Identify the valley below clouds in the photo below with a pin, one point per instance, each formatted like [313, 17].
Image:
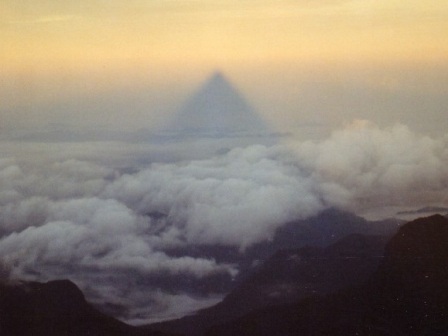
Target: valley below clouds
[114, 217]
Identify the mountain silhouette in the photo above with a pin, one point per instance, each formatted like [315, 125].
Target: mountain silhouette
[217, 109]
[407, 295]
[288, 276]
[55, 308]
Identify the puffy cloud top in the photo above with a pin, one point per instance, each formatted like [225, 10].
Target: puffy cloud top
[93, 223]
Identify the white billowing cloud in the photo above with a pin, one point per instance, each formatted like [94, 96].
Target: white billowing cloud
[364, 166]
[144, 306]
[96, 233]
[26, 188]
[23, 213]
[55, 180]
[84, 220]
[9, 172]
[100, 243]
[242, 197]
[69, 179]
[236, 199]
[176, 306]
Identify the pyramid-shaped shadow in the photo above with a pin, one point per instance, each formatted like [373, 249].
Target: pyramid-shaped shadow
[217, 110]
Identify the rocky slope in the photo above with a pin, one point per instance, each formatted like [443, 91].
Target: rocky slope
[55, 308]
[407, 295]
[291, 275]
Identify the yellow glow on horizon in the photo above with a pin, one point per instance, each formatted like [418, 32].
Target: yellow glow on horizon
[112, 34]
[54, 53]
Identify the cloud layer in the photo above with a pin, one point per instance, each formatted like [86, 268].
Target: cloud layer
[113, 232]
[363, 166]
[236, 199]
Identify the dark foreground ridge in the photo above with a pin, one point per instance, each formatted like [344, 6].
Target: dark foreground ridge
[55, 308]
[407, 295]
[288, 276]
[332, 290]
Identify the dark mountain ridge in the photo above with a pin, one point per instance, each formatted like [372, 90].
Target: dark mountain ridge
[407, 295]
[288, 276]
[59, 307]
[55, 308]
[321, 230]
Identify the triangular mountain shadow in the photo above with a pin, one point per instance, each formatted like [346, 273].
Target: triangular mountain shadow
[217, 110]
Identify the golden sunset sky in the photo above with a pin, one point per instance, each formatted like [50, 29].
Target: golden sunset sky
[114, 32]
[52, 42]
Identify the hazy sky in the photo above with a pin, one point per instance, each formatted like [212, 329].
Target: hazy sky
[373, 72]
[124, 62]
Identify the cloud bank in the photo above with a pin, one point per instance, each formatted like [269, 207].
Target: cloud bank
[236, 199]
[113, 231]
[363, 166]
